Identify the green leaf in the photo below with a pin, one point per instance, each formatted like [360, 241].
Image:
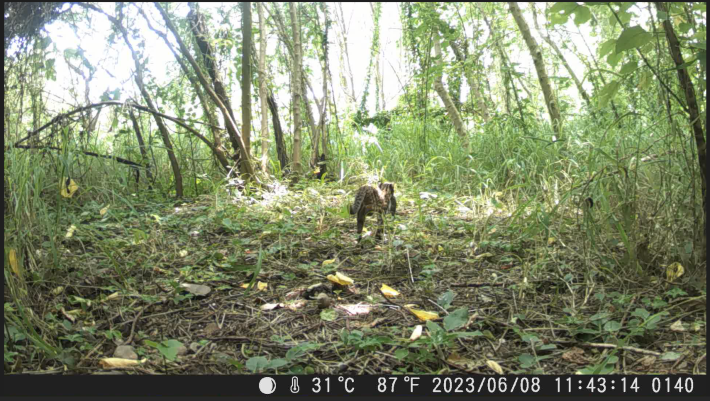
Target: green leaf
[167, 348]
[642, 313]
[257, 363]
[684, 27]
[526, 360]
[645, 80]
[607, 47]
[445, 299]
[276, 363]
[582, 15]
[612, 326]
[662, 15]
[629, 67]
[624, 16]
[613, 59]
[401, 353]
[670, 356]
[632, 38]
[329, 315]
[436, 332]
[558, 19]
[456, 319]
[565, 7]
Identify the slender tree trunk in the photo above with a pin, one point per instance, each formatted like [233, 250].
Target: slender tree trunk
[344, 37]
[562, 58]
[693, 108]
[246, 75]
[262, 88]
[278, 134]
[454, 115]
[296, 88]
[475, 89]
[141, 145]
[550, 100]
[326, 77]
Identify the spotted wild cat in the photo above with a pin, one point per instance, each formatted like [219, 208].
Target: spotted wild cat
[369, 199]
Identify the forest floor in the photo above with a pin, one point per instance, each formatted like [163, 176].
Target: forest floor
[508, 298]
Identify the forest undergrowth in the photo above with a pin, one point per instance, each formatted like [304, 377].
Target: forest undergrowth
[226, 283]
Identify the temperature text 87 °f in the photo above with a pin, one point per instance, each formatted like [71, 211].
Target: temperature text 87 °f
[323, 385]
[388, 385]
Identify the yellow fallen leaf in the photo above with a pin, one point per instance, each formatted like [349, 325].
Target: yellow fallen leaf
[551, 241]
[674, 270]
[104, 210]
[12, 256]
[182, 253]
[424, 315]
[388, 291]
[494, 365]
[68, 188]
[416, 333]
[328, 262]
[260, 286]
[340, 278]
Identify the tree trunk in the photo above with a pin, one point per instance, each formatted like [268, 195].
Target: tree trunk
[340, 17]
[550, 100]
[141, 146]
[693, 109]
[454, 115]
[262, 88]
[326, 75]
[296, 86]
[278, 134]
[246, 75]
[475, 89]
[199, 31]
[207, 108]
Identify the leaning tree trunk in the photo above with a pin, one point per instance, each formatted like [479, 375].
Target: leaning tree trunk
[207, 108]
[562, 58]
[218, 93]
[245, 164]
[262, 88]
[550, 100]
[454, 115]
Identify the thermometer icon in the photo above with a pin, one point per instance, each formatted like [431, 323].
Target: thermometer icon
[294, 384]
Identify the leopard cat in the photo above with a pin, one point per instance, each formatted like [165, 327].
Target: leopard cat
[369, 199]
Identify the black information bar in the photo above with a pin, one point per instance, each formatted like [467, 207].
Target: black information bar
[314, 385]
